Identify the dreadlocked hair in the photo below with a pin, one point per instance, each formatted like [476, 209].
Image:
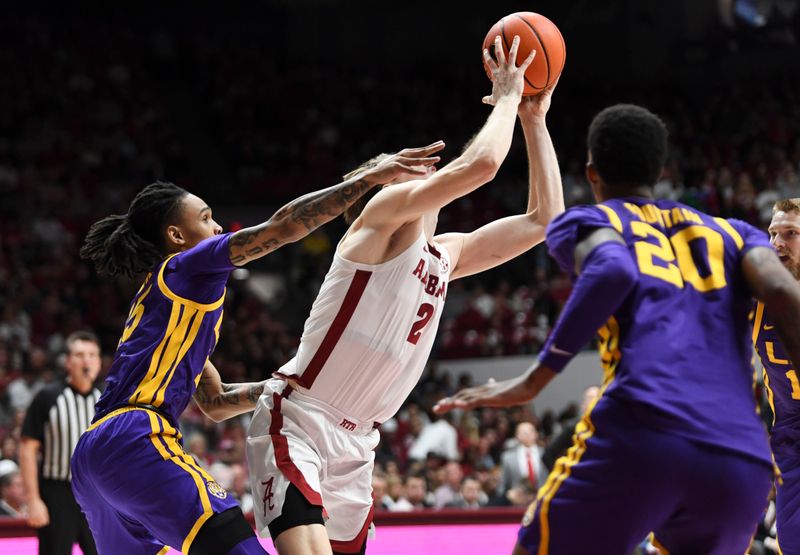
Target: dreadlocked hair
[133, 243]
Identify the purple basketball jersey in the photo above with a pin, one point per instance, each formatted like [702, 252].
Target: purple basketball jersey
[172, 329]
[680, 343]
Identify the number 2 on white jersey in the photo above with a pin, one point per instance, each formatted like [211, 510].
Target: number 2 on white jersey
[425, 313]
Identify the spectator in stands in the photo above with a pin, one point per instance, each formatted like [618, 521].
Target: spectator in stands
[21, 391]
[13, 500]
[380, 494]
[470, 495]
[10, 448]
[439, 437]
[559, 444]
[197, 446]
[524, 461]
[416, 495]
[451, 485]
[240, 487]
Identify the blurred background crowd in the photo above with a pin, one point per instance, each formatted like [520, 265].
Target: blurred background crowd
[95, 106]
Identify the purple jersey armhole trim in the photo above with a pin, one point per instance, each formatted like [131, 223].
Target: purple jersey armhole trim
[167, 292]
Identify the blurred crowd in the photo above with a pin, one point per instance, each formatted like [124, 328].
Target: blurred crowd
[87, 119]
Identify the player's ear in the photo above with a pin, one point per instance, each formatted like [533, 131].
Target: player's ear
[591, 173]
[175, 236]
[594, 181]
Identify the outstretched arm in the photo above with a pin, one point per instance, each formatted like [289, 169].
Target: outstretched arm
[477, 165]
[220, 401]
[507, 238]
[305, 214]
[607, 275]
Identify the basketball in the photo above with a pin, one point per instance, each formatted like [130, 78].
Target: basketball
[536, 32]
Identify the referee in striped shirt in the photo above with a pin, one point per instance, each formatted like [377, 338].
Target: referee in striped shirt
[56, 418]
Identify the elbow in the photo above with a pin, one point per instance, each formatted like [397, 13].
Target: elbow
[780, 292]
[626, 277]
[215, 414]
[212, 411]
[486, 164]
[617, 271]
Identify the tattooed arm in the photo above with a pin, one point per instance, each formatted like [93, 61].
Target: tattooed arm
[220, 401]
[305, 214]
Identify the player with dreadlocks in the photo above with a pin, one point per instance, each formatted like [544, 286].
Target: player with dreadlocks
[140, 490]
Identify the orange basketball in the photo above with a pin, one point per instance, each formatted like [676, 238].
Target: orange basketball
[536, 32]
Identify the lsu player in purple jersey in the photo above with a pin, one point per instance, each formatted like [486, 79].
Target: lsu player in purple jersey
[780, 377]
[140, 490]
[674, 444]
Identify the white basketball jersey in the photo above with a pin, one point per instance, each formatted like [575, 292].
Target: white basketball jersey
[370, 331]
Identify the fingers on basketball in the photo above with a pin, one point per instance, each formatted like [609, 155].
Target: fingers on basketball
[499, 53]
[512, 54]
[536, 33]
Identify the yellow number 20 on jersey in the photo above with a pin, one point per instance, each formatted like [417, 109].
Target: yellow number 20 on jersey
[678, 265]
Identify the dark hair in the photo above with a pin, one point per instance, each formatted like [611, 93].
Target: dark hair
[132, 243]
[355, 209]
[81, 335]
[628, 145]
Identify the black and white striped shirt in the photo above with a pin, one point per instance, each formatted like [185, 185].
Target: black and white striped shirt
[57, 417]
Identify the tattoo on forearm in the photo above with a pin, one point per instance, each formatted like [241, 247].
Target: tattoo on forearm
[230, 398]
[254, 392]
[309, 211]
[329, 202]
[200, 395]
[246, 237]
[231, 394]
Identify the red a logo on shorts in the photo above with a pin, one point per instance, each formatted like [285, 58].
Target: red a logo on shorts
[347, 425]
[267, 498]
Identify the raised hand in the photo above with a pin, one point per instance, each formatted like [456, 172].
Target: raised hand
[508, 80]
[532, 107]
[409, 163]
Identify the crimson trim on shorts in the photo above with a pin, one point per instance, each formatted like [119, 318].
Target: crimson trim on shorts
[282, 457]
[354, 545]
[349, 304]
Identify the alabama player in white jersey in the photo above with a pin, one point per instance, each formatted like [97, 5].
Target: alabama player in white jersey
[371, 329]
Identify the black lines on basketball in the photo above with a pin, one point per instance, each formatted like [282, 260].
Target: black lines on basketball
[536, 33]
[508, 47]
[544, 50]
[503, 34]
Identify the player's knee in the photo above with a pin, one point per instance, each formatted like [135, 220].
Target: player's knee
[296, 511]
[226, 532]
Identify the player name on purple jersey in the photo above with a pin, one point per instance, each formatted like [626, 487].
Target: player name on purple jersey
[680, 343]
[171, 330]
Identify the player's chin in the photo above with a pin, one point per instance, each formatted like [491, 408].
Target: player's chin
[790, 264]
